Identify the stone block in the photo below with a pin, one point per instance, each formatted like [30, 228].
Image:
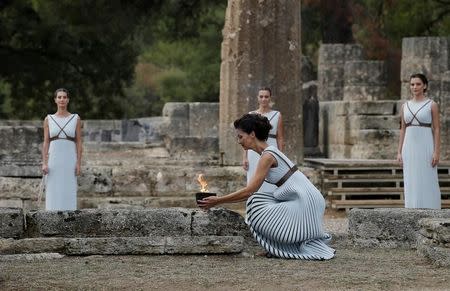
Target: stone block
[115, 246]
[339, 53]
[155, 245]
[439, 255]
[132, 130]
[365, 73]
[105, 223]
[385, 107]
[176, 116]
[437, 229]
[364, 93]
[95, 180]
[381, 122]
[204, 119]
[11, 203]
[11, 223]
[185, 146]
[32, 245]
[428, 55]
[133, 181]
[204, 245]
[21, 144]
[102, 130]
[393, 227]
[15, 187]
[218, 222]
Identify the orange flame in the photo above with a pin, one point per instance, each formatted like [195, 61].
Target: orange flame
[201, 179]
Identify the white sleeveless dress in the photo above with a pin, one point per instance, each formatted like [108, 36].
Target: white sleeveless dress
[61, 187]
[288, 222]
[253, 157]
[421, 184]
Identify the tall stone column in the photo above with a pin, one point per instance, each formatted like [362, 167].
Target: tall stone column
[261, 47]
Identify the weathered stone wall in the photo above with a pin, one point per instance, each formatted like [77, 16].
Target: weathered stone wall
[364, 81]
[261, 47]
[359, 130]
[113, 232]
[389, 227]
[184, 128]
[355, 120]
[192, 128]
[332, 60]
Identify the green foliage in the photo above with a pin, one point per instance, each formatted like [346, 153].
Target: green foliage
[85, 46]
[185, 54]
[92, 48]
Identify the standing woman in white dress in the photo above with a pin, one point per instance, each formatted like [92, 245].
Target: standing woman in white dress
[276, 136]
[419, 147]
[61, 155]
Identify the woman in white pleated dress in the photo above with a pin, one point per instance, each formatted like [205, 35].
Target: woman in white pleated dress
[276, 136]
[419, 147]
[287, 222]
[61, 155]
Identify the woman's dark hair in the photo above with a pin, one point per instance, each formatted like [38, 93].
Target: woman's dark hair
[256, 123]
[421, 77]
[266, 89]
[61, 90]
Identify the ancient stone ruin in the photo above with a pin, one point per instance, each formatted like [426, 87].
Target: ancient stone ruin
[356, 120]
[261, 47]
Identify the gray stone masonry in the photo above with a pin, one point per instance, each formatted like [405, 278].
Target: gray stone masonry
[332, 60]
[11, 223]
[434, 240]
[261, 47]
[146, 231]
[389, 227]
[364, 81]
[359, 129]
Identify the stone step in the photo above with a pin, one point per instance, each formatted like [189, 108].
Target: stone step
[391, 228]
[134, 223]
[160, 245]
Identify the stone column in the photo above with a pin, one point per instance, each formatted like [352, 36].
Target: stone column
[332, 58]
[261, 47]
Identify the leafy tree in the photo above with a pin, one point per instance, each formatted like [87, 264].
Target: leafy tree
[85, 46]
[185, 53]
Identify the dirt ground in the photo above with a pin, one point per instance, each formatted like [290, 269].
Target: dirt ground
[352, 269]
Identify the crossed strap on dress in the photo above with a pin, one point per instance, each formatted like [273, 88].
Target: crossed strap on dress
[288, 174]
[423, 124]
[273, 135]
[62, 130]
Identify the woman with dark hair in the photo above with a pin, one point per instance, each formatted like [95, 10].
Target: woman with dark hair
[419, 147]
[61, 155]
[287, 222]
[276, 135]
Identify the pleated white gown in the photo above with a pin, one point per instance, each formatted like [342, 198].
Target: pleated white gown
[253, 157]
[288, 222]
[421, 184]
[61, 187]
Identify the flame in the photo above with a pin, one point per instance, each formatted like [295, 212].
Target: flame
[202, 181]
